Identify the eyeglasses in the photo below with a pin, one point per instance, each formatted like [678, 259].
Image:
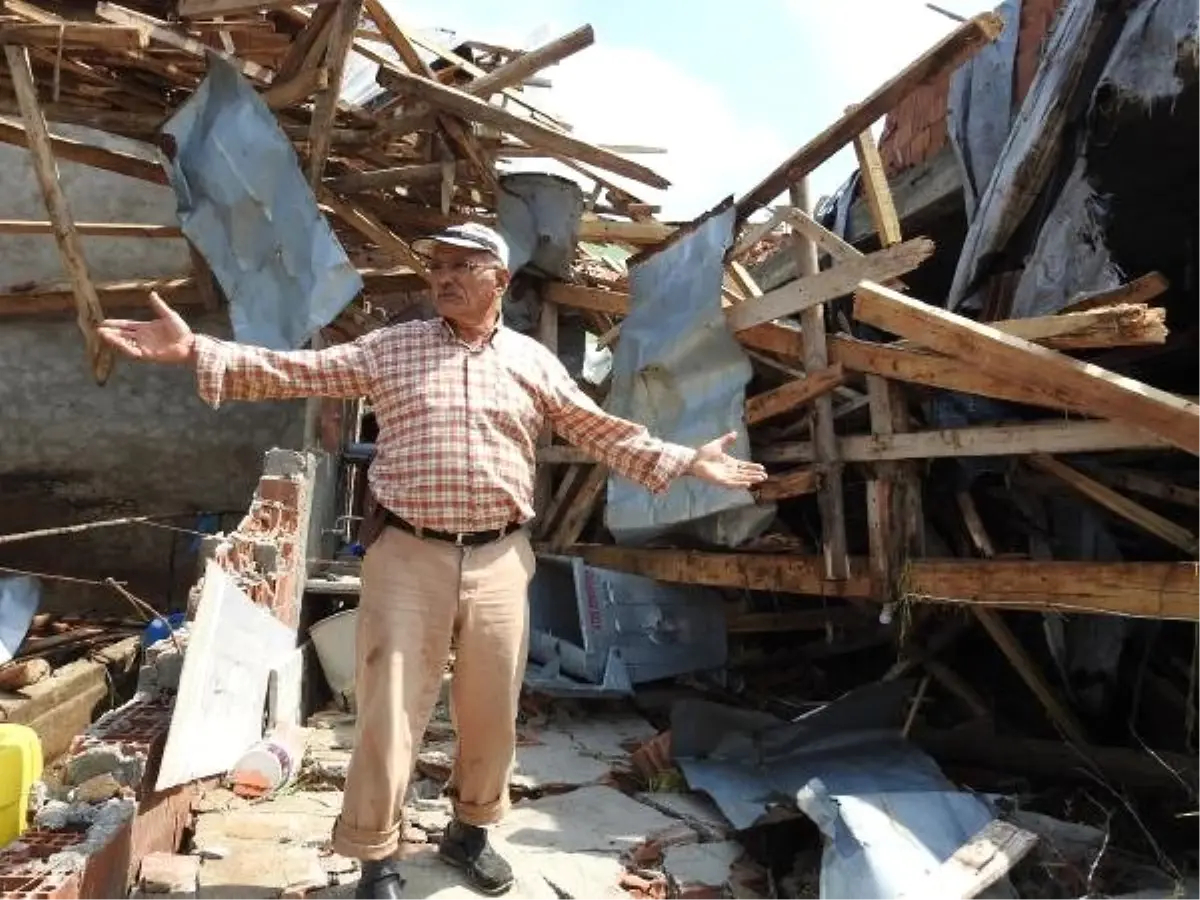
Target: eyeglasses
[458, 268]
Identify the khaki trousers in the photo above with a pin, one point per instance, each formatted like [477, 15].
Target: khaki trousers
[418, 595]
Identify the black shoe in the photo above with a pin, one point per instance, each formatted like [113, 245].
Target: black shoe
[467, 847]
[380, 880]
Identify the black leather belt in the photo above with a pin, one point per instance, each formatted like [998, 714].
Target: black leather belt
[458, 538]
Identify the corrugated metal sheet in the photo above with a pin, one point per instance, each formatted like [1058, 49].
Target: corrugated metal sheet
[247, 208]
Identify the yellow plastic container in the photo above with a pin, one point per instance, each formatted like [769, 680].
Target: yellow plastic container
[20, 767]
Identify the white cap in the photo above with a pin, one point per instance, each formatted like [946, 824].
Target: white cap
[469, 234]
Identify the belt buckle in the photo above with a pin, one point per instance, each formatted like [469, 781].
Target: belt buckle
[458, 539]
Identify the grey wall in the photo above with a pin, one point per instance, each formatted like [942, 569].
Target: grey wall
[71, 451]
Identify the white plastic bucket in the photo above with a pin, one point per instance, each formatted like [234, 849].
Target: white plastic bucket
[334, 639]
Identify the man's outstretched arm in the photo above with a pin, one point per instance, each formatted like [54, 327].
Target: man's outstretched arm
[630, 450]
[228, 371]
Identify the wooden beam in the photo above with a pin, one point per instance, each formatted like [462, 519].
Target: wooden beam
[875, 187]
[1147, 485]
[567, 486]
[968, 38]
[1101, 392]
[794, 483]
[995, 626]
[158, 30]
[75, 36]
[837, 248]
[606, 230]
[1125, 325]
[382, 179]
[295, 90]
[92, 229]
[87, 155]
[341, 37]
[1142, 289]
[1156, 590]
[816, 288]
[575, 516]
[755, 233]
[472, 108]
[547, 334]
[796, 393]
[203, 9]
[981, 440]
[1146, 519]
[830, 497]
[578, 296]
[515, 72]
[89, 311]
[372, 229]
[308, 47]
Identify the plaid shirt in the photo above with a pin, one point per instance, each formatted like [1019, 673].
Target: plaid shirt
[458, 427]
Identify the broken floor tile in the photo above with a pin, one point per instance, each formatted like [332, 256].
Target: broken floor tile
[575, 840]
[702, 864]
[572, 753]
[695, 809]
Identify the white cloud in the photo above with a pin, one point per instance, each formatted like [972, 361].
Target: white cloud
[613, 94]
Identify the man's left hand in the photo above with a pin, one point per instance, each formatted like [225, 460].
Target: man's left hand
[713, 464]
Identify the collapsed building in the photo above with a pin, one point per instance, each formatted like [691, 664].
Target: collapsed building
[962, 608]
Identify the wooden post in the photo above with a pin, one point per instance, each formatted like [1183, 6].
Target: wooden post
[816, 359]
[87, 303]
[894, 516]
[548, 335]
[341, 38]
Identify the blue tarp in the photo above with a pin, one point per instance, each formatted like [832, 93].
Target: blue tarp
[248, 209]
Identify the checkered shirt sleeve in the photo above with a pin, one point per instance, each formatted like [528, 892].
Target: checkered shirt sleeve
[227, 371]
[625, 447]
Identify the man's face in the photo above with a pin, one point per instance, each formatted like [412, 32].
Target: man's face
[466, 283]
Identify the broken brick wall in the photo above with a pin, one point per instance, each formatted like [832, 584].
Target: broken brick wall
[267, 553]
[915, 131]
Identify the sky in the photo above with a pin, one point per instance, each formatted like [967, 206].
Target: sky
[729, 90]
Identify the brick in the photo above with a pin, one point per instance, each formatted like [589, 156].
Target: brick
[283, 491]
[169, 873]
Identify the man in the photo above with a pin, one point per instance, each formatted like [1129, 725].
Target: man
[460, 401]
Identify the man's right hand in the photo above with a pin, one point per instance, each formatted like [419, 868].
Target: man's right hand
[165, 339]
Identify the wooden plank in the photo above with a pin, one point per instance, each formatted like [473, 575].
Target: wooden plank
[86, 154]
[1062, 717]
[602, 231]
[382, 179]
[547, 334]
[837, 248]
[372, 229]
[282, 94]
[895, 519]
[578, 296]
[736, 272]
[475, 110]
[1101, 392]
[75, 36]
[974, 522]
[1156, 590]
[517, 70]
[1125, 325]
[547, 518]
[93, 229]
[795, 483]
[796, 393]
[341, 37]
[830, 497]
[203, 9]
[160, 31]
[968, 38]
[813, 289]
[875, 188]
[1127, 509]
[1147, 485]
[308, 47]
[575, 516]
[981, 440]
[1142, 289]
[978, 864]
[87, 304]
